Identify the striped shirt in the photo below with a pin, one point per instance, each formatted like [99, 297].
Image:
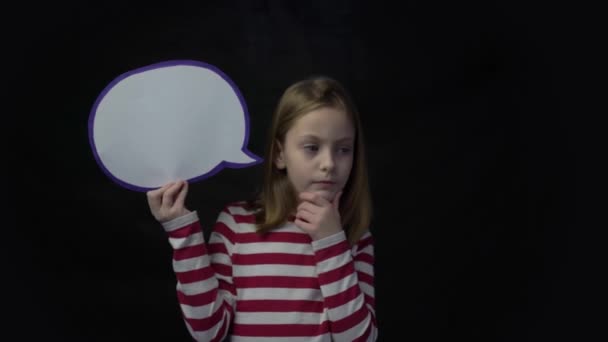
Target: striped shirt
[280, 286]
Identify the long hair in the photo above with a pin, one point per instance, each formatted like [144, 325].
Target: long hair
[277, 199]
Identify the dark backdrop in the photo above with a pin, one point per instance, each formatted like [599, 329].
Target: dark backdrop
[472, 114]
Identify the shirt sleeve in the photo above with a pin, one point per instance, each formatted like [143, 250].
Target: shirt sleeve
[205, 290]
[346, 276]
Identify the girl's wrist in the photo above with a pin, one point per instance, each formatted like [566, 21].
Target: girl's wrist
[323, 234]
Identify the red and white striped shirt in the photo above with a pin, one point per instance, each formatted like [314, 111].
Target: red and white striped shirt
[280, 286]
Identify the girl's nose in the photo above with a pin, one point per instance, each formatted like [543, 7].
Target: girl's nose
[328, 162]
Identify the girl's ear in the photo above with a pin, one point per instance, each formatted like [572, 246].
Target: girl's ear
[279, 161]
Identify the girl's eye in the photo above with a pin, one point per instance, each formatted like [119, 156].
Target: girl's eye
[311, 148]
[345, 150]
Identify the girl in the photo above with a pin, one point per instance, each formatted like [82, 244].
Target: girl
[296, 264]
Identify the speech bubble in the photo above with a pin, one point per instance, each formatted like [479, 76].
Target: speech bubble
[179, 119]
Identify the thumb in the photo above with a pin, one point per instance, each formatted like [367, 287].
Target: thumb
[336, 201]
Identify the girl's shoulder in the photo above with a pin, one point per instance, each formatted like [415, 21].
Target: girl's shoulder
[240, 208]
[239, 217]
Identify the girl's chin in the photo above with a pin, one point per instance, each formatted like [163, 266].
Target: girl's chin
[326, 194]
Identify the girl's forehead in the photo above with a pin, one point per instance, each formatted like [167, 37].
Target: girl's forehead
[324, 120]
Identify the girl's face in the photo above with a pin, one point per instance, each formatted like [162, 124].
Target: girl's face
[318, 152]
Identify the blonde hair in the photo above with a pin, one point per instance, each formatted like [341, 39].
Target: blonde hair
[277, 199]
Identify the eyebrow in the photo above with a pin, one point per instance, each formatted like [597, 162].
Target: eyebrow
[314, 137]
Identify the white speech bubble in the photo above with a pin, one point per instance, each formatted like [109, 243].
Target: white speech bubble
[172, 120]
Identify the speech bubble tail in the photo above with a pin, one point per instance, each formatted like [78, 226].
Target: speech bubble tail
[243, 159]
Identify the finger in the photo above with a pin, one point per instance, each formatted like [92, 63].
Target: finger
[336, 201]
[303, 225]
[309, 207]
[314, 198]
[159, 191]
[305, 216]
[169, 195]
[154, 196]
[181, 197]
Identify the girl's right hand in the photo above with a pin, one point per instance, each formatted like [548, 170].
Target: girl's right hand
[167, 203]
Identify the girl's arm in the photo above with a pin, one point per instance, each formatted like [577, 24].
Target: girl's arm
[204, 278]
[346, 277]
[204, 271]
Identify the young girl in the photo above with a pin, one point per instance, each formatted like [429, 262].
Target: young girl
[296, 264]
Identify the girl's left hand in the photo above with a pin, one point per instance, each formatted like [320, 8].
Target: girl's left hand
[317, 216]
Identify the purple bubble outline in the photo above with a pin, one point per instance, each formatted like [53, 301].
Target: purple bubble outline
[219, 167]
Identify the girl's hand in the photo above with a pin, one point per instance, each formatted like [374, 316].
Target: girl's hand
[167, 203]
[318, 217]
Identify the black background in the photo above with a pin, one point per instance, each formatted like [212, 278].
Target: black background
[478, 119]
